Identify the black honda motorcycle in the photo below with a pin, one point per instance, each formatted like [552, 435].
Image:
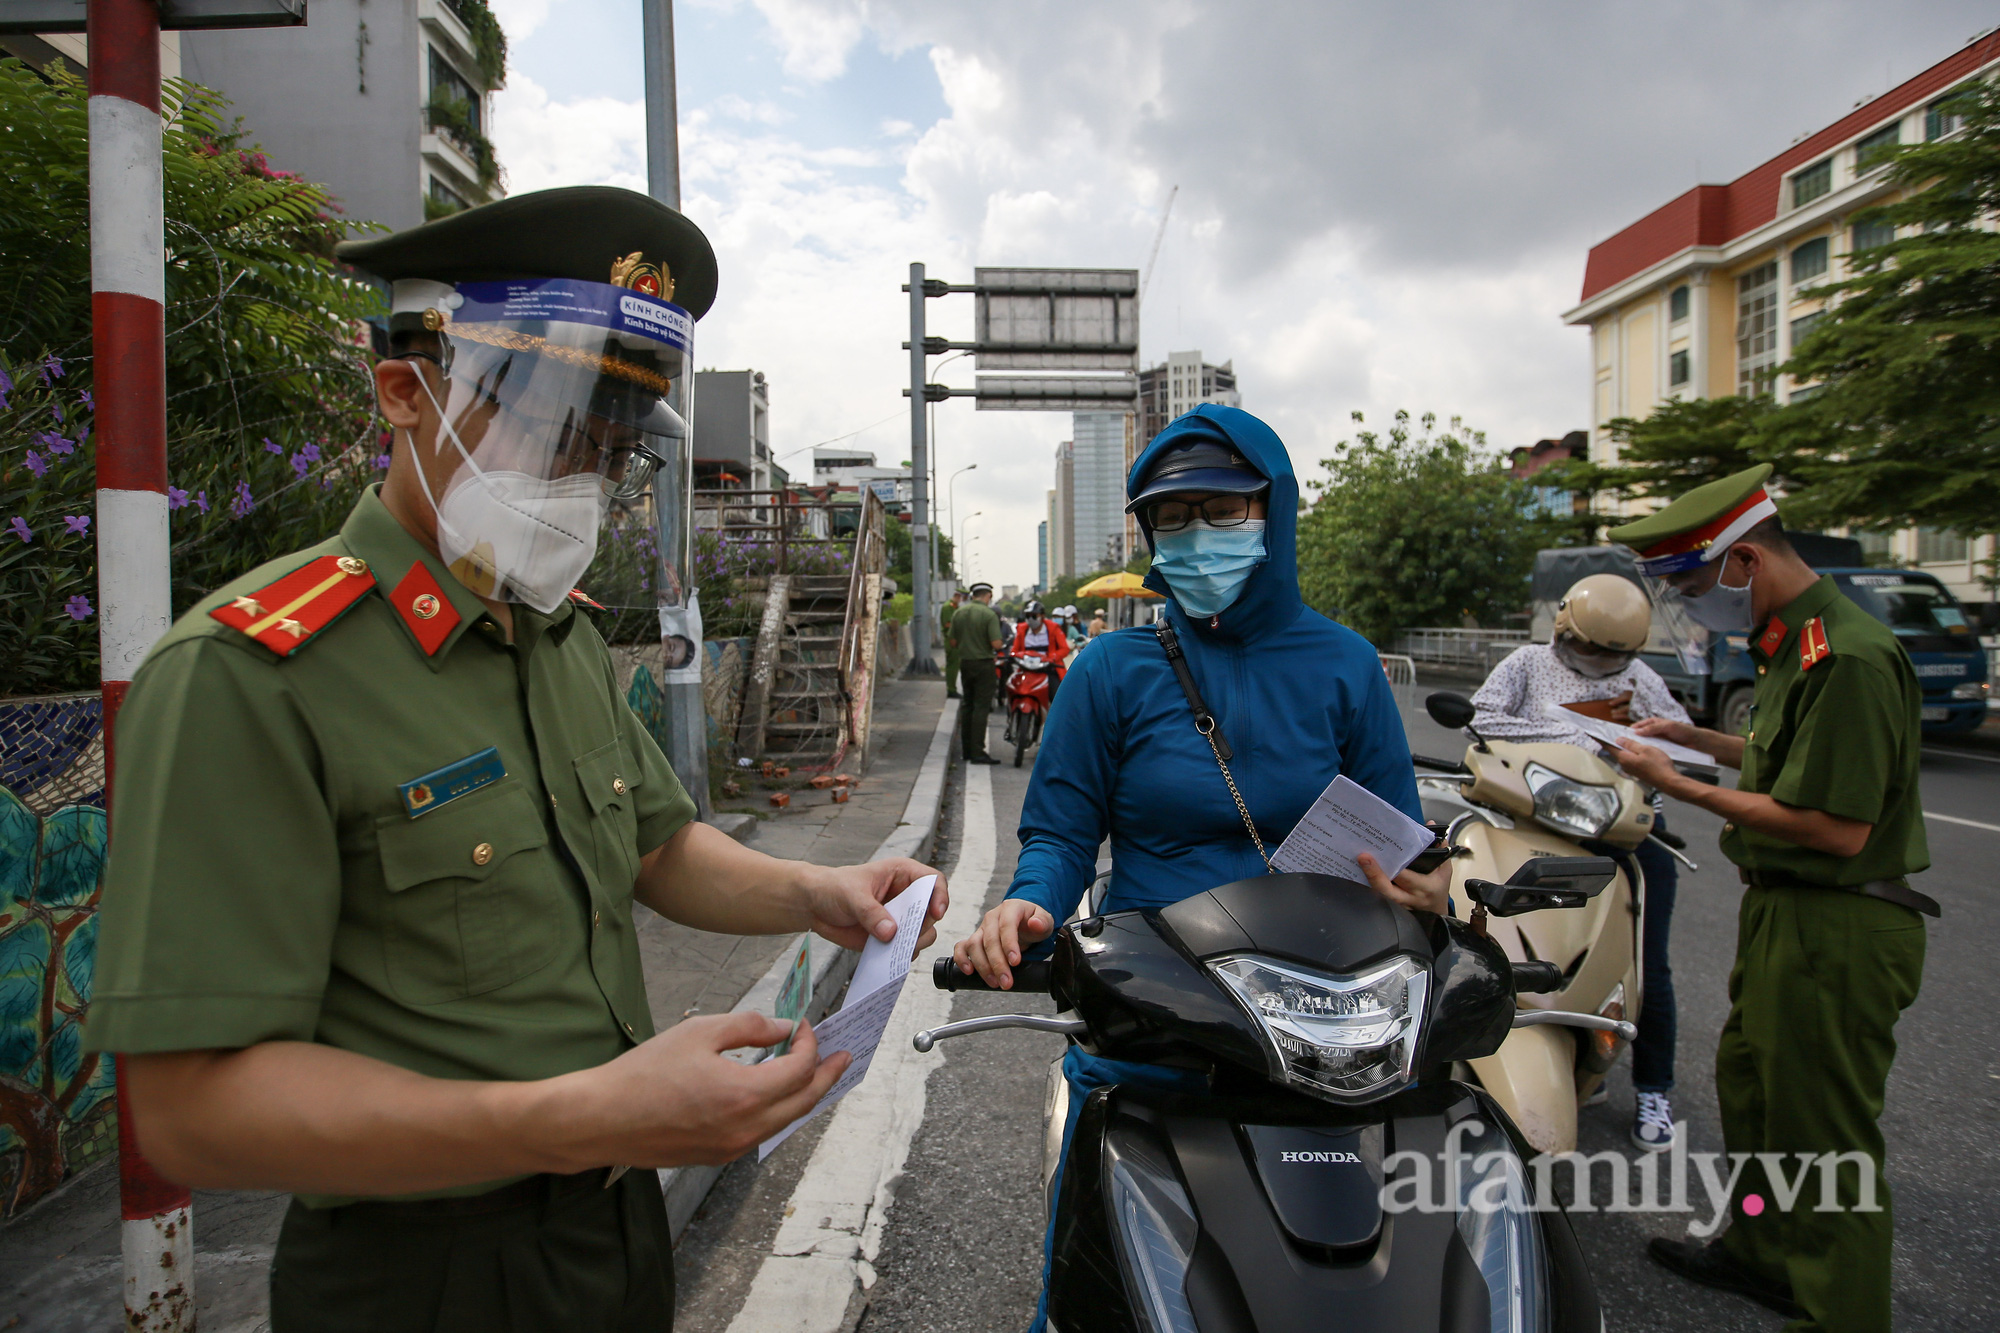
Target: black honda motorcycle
[1334, 1175]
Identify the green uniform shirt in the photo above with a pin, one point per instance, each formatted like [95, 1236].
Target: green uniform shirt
[266, 881]
[1841, 736]
[974, 630]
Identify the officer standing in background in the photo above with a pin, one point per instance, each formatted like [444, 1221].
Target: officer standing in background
[1825, 826]
[945, 614]
[976, 633]
[381, 815]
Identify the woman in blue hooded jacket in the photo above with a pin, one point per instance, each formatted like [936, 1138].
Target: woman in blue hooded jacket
[1302, 700]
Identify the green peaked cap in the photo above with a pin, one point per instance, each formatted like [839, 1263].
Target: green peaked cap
[1700, 506]
[576, 232]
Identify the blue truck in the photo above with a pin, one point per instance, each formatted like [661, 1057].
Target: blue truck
[1925, 618]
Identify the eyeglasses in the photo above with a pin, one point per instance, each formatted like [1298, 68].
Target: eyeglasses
[1218, 511]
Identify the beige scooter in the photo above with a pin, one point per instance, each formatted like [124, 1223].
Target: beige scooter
[1506, 803]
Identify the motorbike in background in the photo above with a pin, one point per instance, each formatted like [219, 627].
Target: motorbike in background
[1504, 805]
[1026, 683]
[1297, 1191]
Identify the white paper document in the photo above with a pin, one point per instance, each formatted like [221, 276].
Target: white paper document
[1611, 733]
[871, 998]
[1345, 821]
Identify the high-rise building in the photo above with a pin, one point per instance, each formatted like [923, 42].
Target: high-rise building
[1097, 515]
[732, 430]
[1708, 294]
[1062, 532]
[1176, 386]
[386, 102]
[1042, 554]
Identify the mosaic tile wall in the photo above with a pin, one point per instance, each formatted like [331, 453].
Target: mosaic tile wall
[56, 1105]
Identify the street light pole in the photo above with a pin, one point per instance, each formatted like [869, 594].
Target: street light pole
[922, 663]
[951, 494]
[961, 527]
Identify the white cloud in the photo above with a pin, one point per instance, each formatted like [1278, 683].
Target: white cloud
[543, 144]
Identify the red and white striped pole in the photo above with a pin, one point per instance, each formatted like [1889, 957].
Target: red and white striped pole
[134, 607]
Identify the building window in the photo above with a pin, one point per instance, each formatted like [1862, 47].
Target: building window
[1809, 260]
[1756, 328]
[1940, 120]
[1868, 235]
[1877, 148]
[1804, 393]
[447, 84]
[1876, 547]
[1811, 183]
[1802, 327]
[1934, 545]
[1677, 304]
[1677, 369]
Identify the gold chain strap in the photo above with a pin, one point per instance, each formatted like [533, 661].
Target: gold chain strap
[1236, 795]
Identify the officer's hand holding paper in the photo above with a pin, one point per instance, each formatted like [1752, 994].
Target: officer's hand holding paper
[1344, 822]
[871, 998]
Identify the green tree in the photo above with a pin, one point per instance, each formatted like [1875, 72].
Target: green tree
[1417, 527]
[271, 428]
[1904, 425]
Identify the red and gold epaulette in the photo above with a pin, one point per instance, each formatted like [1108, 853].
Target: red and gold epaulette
[287, 613]
[1813, 647]
[582, 598]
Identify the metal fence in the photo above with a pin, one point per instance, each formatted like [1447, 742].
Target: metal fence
[1466, 649]
[1402, 674]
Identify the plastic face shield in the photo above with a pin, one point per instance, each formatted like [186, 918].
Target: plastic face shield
[559, 378]
[1674, 631]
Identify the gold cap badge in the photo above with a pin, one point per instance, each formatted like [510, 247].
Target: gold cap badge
[647, 279]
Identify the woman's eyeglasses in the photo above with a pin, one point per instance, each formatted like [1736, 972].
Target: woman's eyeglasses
[1218, 511]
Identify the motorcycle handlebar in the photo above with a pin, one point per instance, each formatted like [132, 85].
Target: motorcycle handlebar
[1029, 978]
[1441, 765]
[1537, 977]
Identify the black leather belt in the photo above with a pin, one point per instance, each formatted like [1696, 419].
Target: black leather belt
[1897, 891]
[531, 1192]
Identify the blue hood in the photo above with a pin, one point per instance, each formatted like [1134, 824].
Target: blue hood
[1270, 601]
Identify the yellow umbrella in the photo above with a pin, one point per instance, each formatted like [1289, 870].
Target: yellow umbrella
[1121, 584]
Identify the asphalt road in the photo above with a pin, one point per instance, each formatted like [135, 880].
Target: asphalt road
[962, 1246]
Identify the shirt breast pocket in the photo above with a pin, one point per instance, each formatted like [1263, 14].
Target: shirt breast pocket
[610, 782]
[475, 901]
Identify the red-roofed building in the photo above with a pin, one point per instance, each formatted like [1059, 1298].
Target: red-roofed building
[1699, 298]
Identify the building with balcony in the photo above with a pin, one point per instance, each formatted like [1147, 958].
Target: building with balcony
[386, 102]
[732, 432]
[1707, 295]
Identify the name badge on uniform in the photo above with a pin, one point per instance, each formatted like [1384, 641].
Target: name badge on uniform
[425, 794]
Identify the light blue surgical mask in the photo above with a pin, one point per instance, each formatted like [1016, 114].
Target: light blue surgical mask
[1207, 567]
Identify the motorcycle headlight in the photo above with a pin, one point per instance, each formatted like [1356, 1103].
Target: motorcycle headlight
[1498, 1227]
[1156, 1230]
[1574, 807]
[1347, 1039]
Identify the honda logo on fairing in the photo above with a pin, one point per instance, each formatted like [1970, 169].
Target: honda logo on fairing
[1319, 1157]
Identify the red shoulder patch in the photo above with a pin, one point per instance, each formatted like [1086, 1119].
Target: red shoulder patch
[1813, 647]
[1774, 635]
[285, 614]
[422, 605]
[582, 598]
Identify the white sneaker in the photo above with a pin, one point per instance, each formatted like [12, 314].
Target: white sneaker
[1653, 1129]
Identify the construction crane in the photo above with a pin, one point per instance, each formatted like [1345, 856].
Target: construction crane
[1165, 212]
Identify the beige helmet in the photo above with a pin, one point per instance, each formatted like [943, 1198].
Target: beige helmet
[1605, 611]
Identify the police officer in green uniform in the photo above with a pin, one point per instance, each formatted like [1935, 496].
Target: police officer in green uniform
[1825, 826]
[975, 632]
[945, 615]
[381, 815]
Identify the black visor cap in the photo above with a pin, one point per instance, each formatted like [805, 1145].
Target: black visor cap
[1199, 466]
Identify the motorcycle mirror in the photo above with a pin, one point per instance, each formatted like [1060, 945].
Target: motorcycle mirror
[1450, 709]
[1545, 881]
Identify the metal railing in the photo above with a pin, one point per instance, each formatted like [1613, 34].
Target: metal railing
[1402, 674]
[1467, 649]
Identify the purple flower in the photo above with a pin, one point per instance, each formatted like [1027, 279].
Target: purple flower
[201, 501]
[79, 607]
[299, 464]
[78, 524]
[55, 410]
[244, 501]
[176, 498]
[310, 453]
[52, 369]
[21, 528]
[37, 464]
[54, 443]
[89, 403]
[382, 462]
[6, 387]
[271, 448]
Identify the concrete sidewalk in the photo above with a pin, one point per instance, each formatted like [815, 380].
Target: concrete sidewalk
[59, 1262]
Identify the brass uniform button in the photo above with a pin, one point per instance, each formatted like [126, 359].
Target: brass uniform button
[618, 785]
[629, 1032]
[552, 800]
[1729, 828]
[353, 566]
[1762, 669]
[482, 854]
[594, 916]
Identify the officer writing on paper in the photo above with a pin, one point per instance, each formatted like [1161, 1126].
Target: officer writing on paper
[1591, 665]
[381, 816]
[1825, 826]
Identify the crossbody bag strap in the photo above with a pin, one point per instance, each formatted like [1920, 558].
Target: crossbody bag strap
[1211, 731]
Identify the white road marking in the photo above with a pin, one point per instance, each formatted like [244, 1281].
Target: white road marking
[1969, 823]
[833, 1222]
[1943, 753]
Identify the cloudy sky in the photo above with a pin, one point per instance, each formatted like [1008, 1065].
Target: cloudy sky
[1381, 204]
